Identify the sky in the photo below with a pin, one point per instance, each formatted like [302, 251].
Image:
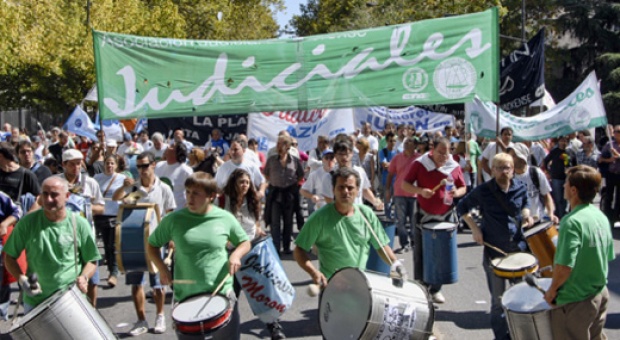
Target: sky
[292, 8]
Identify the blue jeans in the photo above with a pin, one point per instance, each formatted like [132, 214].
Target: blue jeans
[405, 210]
[497, 286]
[557, 192]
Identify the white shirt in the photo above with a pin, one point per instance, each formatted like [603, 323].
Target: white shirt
[146, 145]
[314, 183]
[224, 171]
[328, 191]
[160, 194]
[251, 157]
[176, 173]
[314, 160]
[111, 207]
[537, 207]
[159, 154]
[372, 140]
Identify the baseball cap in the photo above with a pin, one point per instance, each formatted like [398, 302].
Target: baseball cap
[328, 151]
[71, 154]
[520, 150]
[127, 136]
[36, 139]
[110, 143]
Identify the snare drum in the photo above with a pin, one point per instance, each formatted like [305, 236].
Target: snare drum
[542, 240]
[64, 315]
[132, 234]
[440, 264]
[215, 314]
[514, 265]
[527, 312]
[363, 305]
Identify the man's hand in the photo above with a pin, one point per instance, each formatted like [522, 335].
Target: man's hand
[128, 182]
[82, 283]
[399, 270]
[31, 289]
[554, 219]
[319, 279]
[528, 222]
[3, 229]
[550, 296]
[427, 193]
[234, 263]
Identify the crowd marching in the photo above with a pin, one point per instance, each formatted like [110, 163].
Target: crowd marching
[60, 193]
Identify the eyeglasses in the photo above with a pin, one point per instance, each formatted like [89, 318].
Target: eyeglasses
[616, 131]
[329, 158]
[294, 144]
[143, 166]
[504, 168]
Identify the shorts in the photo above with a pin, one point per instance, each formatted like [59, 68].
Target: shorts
[95, 279]
[139, 279]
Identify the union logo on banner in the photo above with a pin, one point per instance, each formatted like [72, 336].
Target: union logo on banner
[78, 123]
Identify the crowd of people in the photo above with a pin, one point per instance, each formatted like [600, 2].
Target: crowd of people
[66, 190]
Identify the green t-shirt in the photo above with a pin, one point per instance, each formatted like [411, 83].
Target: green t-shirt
[343, 241]
[50, 252]
[586, 245]
[200, 248]
[474, 154]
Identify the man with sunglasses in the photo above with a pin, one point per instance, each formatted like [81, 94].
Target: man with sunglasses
[151, 190]
[313, 184]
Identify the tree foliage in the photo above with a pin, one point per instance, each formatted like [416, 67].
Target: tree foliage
[46, 58]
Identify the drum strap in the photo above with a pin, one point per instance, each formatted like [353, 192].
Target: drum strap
[109, 185]
[501, 200]
[375, 236]
[75, 246]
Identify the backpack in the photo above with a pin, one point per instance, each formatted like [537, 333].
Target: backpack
[536, 182]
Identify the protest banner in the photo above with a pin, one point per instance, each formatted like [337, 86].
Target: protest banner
[583, 109]
[437, 61]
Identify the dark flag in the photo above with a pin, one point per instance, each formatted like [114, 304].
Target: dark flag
[198, 129]
[522, 74]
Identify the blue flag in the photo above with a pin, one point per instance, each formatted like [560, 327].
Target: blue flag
[80, 124]
[140, 125]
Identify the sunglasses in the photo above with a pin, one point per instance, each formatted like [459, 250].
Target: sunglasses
[617, 131]
[143, 166]
[294, 144]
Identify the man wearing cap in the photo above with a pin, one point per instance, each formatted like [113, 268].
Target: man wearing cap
[538, 187]
[129, 147]
[40, 150]
[312, 185]
[84, 194]
[110, 147]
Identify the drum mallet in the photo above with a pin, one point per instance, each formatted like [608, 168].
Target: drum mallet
[168, 259]
[213, 294]
[442, 183]
[495, 248]
[532, 282]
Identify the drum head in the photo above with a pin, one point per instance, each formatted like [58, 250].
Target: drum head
[522, 298]
[515, 262]
[537, 228]
[439, 225]
[345, 305]
[186, 310]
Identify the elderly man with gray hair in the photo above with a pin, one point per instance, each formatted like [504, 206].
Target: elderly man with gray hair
[159, 147]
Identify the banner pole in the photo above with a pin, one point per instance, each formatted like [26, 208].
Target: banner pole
[497, 128]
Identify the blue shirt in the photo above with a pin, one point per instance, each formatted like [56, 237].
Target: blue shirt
[386, 155]
[498, 229]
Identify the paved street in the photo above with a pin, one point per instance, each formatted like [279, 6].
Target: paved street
[463, 316]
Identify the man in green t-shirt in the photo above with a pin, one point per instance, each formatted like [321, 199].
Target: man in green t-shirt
[200, 233]
[47, 235]
[341, 234]
[584, 250]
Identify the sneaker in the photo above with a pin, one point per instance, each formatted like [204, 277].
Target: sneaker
[276, 331]
[438, 298]
[112, 281]
[160, 325]
[617, 225]
[139, 328]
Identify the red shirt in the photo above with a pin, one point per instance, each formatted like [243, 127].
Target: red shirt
[398, 167]
[429, 179]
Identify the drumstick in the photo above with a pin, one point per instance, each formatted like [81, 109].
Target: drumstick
[183, 282]
[213, 294]
[168, 259]
[442, 183]
[496, 249]
[531, 281]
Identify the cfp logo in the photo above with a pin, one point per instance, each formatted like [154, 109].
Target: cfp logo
[415, 79]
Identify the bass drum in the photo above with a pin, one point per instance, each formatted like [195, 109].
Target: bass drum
[364, 305]
[527, 312]
[64, 315]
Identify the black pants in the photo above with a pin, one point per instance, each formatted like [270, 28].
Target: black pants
[612, 189]
[106, 226]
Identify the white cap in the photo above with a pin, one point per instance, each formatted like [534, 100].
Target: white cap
[72, 154]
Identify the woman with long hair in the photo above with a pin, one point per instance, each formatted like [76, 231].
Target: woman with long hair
[242, 201]
[109, 181]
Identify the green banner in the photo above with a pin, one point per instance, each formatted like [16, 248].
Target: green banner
[438, 61]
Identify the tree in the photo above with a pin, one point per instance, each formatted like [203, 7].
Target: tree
[46, 58]
[608, 70]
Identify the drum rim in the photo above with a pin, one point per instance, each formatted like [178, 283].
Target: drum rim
[529, 232]
[534, 265]
[436, 229]
[221, 321]
[368, 292]
[198, 295]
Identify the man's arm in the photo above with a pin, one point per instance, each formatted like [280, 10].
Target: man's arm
[155, 256]
[234, 260]
[304, 262]
[485, 165]
[561, 273]
[476, 233]
[97, 209]
[388, 187]
[550, 207]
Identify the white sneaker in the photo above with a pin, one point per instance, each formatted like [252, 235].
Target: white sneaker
[617, 225]
[438, 298]
[160, 325]
[139, 328]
